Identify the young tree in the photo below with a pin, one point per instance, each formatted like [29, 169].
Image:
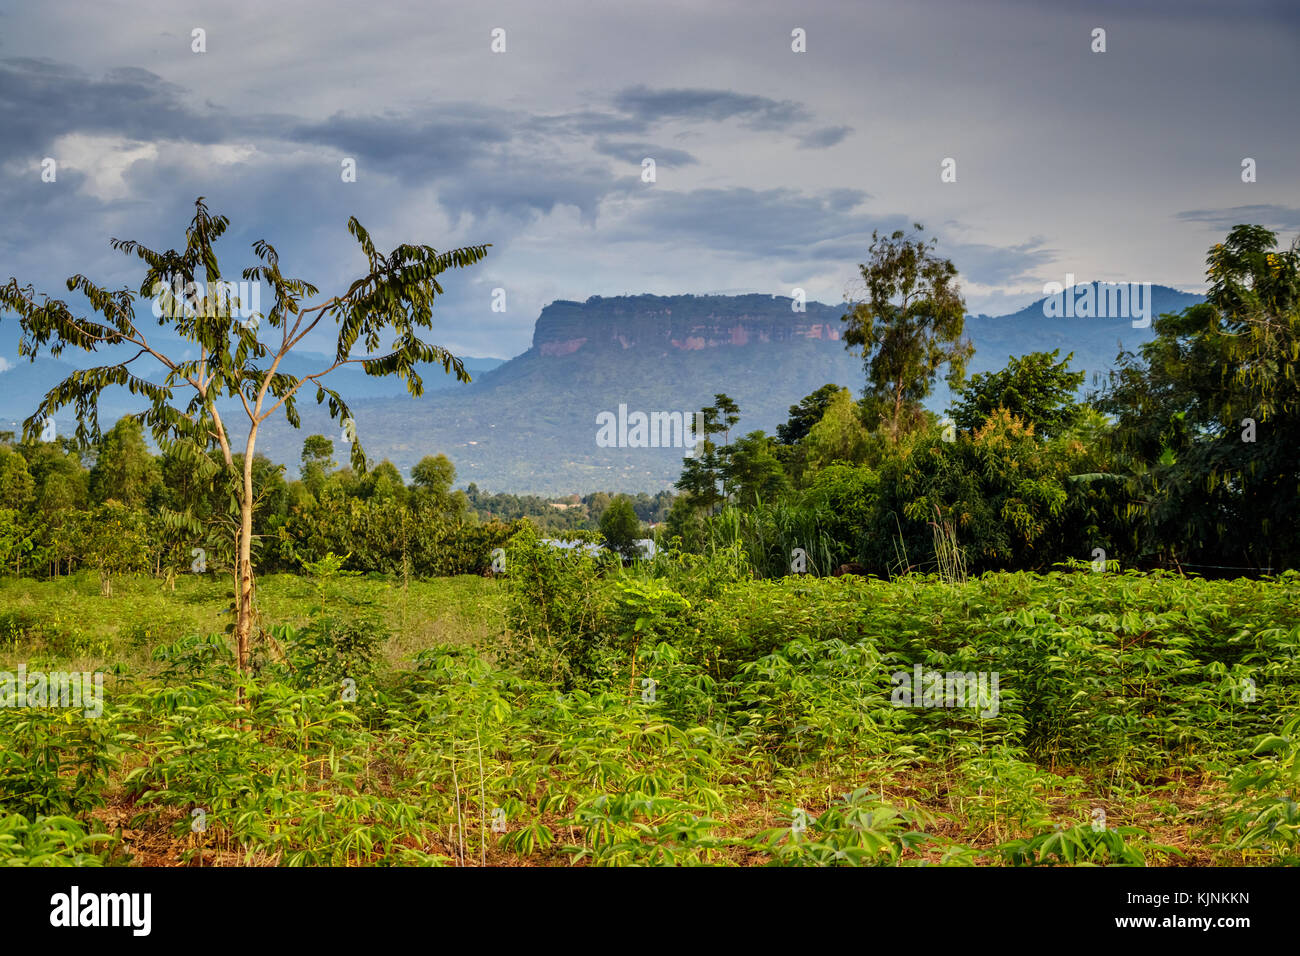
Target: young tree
[1035, 388]
[113, 538]
[317, 462]
[705, 469]
[910, 323]
[621, 527]
[239, 357]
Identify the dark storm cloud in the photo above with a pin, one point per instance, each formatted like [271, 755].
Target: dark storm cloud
[472, 155]
[429, 147]
[755, 112]
[769, 222]
[41, 100]
[1275, 217]
[634, 153]
[824, 138]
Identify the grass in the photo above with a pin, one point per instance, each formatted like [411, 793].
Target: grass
[67, 619]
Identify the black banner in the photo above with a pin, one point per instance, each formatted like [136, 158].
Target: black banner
[343, 906]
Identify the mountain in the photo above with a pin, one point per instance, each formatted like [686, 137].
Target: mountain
[23, 383]
[1095, 342]
[531, 424]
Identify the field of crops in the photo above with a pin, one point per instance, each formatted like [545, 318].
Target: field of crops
[676, 714]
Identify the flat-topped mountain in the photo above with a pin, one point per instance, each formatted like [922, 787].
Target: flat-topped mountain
[680, 323]
[531, 423]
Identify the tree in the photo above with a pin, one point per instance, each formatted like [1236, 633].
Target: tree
[16, 484]
[753, 472]
[384, 481]
[704, 471]
[910, 323]
[434, 476]
[431, 481]
[317, 462]
[1209, 414]
[621, 527]
[838, 436]
[62, 489]
[16, 538]
[806, 414]
[1035, 388]
[597, 503]
[124, 470]
[114, 540]
[393, 300]
[999, 492]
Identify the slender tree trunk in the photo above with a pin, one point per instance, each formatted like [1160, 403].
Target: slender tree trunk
[244, 562]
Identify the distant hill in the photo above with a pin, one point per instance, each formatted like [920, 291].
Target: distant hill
[1094, 341]
[530, 424]
[24, 382]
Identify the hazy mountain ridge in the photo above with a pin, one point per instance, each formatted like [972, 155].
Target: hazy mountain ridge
[529, 424]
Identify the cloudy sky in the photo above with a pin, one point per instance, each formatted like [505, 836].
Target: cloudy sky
[772, 166]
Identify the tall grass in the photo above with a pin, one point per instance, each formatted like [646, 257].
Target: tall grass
[769, 534]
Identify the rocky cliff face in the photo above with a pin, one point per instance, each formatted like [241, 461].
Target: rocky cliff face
[665, 324]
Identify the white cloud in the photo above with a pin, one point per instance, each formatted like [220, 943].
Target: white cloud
[103, 160]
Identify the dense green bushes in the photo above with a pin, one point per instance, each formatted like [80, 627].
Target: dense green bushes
[1121, 669]
[1009, 500]
[132, 512]
[1184, 458]
[683, 712]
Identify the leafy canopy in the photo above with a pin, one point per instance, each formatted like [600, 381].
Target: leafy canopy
[909, 323]
[1035, 388]
[228, 357]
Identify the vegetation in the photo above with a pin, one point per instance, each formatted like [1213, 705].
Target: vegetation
[909, 323]
[1182, 460]
[1208, 417]
[879, 638]
[395, 297]
[688, 715]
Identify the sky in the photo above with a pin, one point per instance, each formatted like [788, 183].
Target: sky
[772, 167]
